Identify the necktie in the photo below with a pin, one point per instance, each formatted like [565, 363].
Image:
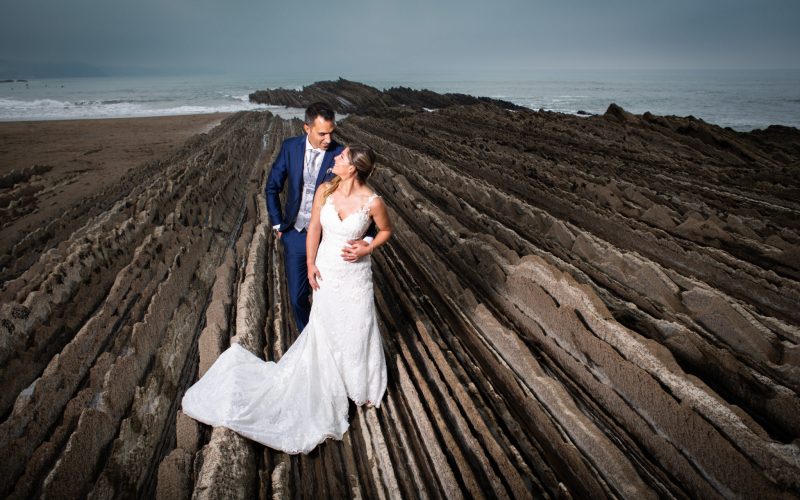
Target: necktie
[309, 183]
[311, 159]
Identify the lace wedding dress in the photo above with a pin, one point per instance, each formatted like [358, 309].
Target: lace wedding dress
[300, 401]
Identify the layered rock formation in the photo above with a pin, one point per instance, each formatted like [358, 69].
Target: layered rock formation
[587, 307]
[99, 334]
[627, 284]
[352, 97]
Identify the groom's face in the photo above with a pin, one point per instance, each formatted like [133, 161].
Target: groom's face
[320, 132]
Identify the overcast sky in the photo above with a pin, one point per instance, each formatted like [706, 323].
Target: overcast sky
[361, 36]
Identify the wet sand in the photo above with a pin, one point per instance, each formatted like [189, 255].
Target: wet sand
[76, 159]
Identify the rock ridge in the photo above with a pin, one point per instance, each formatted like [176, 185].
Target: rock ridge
[571, 306]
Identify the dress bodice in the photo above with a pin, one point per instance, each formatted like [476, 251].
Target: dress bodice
[351, 227]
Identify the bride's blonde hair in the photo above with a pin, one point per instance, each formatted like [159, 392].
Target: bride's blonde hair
[363, 158]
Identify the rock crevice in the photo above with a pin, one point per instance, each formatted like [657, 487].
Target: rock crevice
[601, 306]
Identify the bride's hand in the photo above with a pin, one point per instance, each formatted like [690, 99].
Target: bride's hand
[313, 276]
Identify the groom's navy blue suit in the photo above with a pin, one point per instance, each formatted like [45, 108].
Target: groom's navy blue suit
[289, 166]
[289, 163]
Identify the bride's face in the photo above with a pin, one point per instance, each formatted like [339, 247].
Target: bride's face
[341, 164]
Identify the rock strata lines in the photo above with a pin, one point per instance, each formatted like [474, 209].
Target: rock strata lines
[595, 307]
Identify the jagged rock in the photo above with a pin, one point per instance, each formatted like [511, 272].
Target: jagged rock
[174, 476]
[17, 176]
[228, 469]
[616, 112]
[349, 97]
[595, 306]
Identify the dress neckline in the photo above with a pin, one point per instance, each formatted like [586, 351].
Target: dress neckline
[358, 210]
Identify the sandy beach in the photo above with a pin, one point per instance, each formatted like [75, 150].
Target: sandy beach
[76, 159]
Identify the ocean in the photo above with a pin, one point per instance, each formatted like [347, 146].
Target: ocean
[741, 99]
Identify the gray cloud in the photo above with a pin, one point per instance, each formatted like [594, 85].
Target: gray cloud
[363, 37]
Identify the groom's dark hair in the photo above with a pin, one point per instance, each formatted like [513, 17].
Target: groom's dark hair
[319, 109]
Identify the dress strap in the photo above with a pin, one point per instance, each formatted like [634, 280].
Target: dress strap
[365, 207]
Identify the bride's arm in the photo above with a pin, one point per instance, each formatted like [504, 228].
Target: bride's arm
[381, 218]
[313, 236]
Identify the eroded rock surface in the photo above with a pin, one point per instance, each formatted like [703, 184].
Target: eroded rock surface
[347, 97]
[583, 307]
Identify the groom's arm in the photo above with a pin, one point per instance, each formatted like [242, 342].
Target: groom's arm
[275, 182]
[381, 220]
[365, 241]
[371, 232]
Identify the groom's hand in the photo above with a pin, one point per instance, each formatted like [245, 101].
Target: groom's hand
[355, 250]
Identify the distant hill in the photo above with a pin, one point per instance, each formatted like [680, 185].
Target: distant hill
[30, 70]
[26, 69]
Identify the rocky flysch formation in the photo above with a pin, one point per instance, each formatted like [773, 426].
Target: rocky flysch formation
[588, 307]
[356, 98]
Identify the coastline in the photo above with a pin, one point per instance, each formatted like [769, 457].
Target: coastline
[77, 159]
[742, 100]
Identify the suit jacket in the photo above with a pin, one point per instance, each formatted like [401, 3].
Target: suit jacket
[289, 166]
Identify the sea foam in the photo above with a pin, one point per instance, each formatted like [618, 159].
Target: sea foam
[52, 109]
[740, 99]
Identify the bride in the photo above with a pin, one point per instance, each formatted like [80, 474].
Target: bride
[300, 401]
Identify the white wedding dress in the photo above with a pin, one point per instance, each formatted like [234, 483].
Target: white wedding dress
[300, 401]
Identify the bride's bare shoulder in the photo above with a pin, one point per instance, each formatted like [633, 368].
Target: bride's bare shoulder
[369, 194]
[319, 194]
[323, 188]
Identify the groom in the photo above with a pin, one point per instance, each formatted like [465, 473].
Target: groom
[306, 162]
